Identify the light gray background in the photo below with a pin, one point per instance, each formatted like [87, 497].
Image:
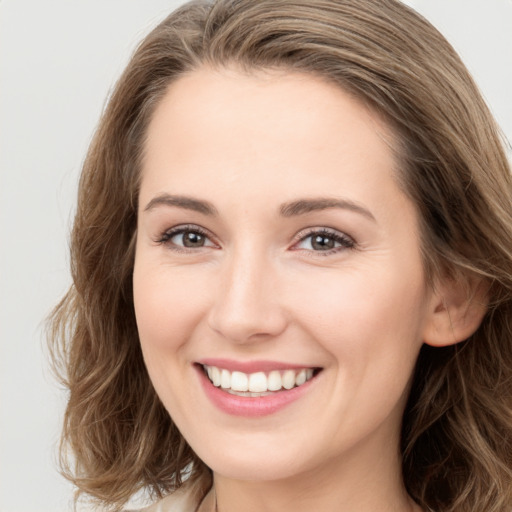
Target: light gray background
[58, 61]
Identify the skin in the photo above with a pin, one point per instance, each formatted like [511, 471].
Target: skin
[258, 290]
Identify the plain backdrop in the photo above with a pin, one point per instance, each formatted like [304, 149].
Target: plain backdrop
[58, 61]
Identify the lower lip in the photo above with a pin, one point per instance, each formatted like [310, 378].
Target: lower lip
[250, 406]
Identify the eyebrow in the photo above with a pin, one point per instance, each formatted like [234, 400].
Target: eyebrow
[188, 203]
[291, 209]
[303, 206]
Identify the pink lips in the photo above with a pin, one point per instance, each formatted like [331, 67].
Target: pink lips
[250, 406]
[249, 366]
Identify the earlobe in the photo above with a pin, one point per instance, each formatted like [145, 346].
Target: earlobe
[456, 311]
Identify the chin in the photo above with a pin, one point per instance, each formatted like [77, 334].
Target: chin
[255, 470]
[255, 464]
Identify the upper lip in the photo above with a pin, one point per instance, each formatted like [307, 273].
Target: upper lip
[252, 366]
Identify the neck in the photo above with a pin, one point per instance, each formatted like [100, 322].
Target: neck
[348, 485]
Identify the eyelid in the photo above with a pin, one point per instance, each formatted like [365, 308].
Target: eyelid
[165, 237]
[347, 242]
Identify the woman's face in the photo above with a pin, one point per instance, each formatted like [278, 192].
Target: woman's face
[274, 247]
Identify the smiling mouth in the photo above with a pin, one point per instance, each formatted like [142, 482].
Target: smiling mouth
[258, 383]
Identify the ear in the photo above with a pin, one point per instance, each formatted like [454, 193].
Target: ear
[457, 308]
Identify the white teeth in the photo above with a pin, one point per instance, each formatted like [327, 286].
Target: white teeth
[259, 383]
[288, 379]
[300, 378]
[275, 383]
[225, 379]
[239, 381]
[215, 378]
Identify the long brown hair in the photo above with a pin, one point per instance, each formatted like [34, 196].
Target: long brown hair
[457, 427]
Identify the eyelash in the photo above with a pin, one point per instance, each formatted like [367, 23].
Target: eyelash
[346, 242]
[166, 236]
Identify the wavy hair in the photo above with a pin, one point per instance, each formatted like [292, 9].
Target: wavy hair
[457, 426]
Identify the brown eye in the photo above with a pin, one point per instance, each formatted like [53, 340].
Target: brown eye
[192, 239]
[184, 237]
[326, 241]
[322, 242]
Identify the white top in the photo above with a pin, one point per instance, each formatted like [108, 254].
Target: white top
[185, 499]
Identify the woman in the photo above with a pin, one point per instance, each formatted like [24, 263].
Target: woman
[292, 261]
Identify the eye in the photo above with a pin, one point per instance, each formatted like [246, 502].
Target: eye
[186, 238]
[324, 240]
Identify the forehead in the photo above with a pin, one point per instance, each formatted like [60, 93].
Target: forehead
[262, 96]
[226, 126]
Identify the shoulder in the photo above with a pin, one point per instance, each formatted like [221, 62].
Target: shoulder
[185, 499]
[181, 500]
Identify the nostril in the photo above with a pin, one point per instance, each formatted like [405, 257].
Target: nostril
[248, 328]
[246, 305]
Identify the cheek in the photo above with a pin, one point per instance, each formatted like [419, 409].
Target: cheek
[168, 309]
[367, 314]
[168, 306]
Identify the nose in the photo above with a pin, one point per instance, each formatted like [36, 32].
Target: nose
[247, 306]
